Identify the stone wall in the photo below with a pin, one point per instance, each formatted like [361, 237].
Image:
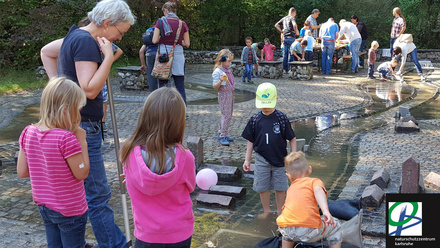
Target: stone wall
[131, 78]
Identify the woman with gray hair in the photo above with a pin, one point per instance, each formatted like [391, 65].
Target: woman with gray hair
[165, 34]
[78, 57]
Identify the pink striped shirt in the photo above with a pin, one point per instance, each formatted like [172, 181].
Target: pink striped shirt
[53, 184]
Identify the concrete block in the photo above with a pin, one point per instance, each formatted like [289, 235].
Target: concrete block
[225, 173]
[432, 181]
[216, 200]
[372, 196]
[234, 191]
[409, 118]
[381, 178]
[195, 145]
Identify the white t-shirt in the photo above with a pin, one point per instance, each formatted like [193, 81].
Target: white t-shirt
[350, 30]
[406, 48]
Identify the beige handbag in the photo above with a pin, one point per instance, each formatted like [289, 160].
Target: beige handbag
[162, 67]
[406, 38]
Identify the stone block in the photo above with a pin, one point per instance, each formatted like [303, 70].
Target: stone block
[372, 196]
[432, 181]
[234, 191]
[225, 173]
[409, 118]
[406, 127]
[381, 178]
[216, 200]
[411, 183]
[195, 145]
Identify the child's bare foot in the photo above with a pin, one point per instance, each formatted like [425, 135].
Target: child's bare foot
[263, 215]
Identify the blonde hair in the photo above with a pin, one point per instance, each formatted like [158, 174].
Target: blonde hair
[61, 101]
[267, 40]
[223, 52]
[296, 164]
[374, 44]
[161, 125]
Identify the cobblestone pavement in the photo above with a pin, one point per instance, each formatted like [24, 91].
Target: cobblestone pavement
[378, 147]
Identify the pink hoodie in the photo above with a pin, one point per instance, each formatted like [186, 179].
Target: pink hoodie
[161, 204]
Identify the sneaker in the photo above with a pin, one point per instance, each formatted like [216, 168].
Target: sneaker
[252, 75]
[285, 72]
[256, 75]
[243, 80]
[224, 141]
[230, 139]
[104, 127]
[361, 67]
[250, 82]
[422, 78]
[371, 77]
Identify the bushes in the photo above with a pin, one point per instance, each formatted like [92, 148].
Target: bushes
[28, 25]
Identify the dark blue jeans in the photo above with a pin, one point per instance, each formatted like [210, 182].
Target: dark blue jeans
[391, 46]
[153, 83]
[416, 61]
[62, 231]
[179, 82]
[98, 192]
[309, 56]
[370, 70]
[184, 244]
[361, 49]
[287, 43]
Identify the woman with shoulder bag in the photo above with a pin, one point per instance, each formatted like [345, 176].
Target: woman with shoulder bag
[169, 25]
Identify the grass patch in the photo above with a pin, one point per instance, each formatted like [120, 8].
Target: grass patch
[13, 81]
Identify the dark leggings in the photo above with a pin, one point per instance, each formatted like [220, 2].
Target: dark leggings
[179, 82]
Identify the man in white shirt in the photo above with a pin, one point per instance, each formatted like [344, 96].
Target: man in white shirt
[351, 33]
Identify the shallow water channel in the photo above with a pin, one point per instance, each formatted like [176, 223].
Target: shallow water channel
[332, 153]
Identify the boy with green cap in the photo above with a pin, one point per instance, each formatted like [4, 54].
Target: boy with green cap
[267, 132]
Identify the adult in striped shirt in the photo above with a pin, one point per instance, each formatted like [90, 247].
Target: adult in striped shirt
[53, 153]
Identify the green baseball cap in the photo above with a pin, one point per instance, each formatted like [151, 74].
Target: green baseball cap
[266, 96]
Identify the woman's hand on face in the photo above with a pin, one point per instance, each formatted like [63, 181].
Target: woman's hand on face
[106, 47]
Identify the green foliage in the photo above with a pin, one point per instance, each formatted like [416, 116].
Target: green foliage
[28, 25]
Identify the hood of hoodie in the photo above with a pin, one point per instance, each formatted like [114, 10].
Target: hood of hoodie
[148, 182]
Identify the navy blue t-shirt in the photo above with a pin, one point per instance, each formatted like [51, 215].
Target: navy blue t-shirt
[79, 45]
[269, 134]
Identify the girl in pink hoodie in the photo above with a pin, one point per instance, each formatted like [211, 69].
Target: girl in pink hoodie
[160, 173]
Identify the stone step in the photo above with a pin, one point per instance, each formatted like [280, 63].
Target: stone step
[234, 191]
[225, 173]
[216, 200]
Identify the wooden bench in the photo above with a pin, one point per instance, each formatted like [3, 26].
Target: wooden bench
[266, 69]
[302, 70]
[346, 60]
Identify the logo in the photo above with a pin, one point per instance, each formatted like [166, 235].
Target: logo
[405, 219]
[276, 128]
[265, 95]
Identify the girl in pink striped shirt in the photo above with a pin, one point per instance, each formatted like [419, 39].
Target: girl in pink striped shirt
[53, 153]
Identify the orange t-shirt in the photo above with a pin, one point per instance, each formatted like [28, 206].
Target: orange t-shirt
[301, 207]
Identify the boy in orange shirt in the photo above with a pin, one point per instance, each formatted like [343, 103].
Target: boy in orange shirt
[300, 219]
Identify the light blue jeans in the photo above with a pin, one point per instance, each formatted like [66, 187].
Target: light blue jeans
[248, 68]
[62, 231]
[98, 192]
[328, 49]
[416, 61]
[354, 50]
